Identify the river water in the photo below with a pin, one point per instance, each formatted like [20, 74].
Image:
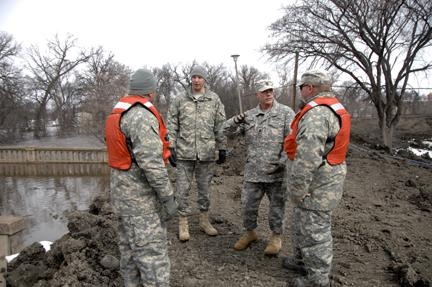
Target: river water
[44, 201]
[44, 194]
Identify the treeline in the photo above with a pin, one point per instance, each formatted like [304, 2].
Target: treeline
[75, 88]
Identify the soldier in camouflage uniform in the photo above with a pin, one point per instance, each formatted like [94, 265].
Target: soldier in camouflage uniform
[195, 120]
[317, 145]
[264, 128]
[140, 190]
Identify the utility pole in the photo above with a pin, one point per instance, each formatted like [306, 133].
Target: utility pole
[294, 82]
[235, 57]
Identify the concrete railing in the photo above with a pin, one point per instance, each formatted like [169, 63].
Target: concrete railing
[54, 169]
[10, 241]
[10, 154]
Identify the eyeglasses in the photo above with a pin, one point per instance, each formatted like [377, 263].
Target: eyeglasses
[303, 85]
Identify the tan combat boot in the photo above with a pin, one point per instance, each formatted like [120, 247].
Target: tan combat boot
[205, 224]
[245, 240]
[274, 245]
[183, 228]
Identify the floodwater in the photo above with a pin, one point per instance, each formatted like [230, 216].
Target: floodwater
[45, 194]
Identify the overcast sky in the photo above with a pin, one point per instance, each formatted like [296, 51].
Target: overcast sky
[155, 32]
[151, 33]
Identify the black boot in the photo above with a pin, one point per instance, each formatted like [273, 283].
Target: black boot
[293, 263]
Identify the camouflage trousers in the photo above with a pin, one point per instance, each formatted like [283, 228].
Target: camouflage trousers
[253, 192]
[144, 252]
[312, 241]
[203, 171]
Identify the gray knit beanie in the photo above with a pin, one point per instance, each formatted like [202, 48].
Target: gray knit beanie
[142, 82]
[199, 71]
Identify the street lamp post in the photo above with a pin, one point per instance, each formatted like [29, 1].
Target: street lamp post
[235, 57]
[294, 83]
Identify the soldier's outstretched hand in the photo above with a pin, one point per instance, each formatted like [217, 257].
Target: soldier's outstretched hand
[239, 119]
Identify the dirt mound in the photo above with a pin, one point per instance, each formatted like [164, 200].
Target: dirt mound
[87, 256]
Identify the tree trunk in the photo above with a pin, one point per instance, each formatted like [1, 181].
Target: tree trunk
[387, 135]
[40, 126]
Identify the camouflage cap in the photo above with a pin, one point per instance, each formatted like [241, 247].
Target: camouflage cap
[264, 86]
[199, 71]
[315, 77]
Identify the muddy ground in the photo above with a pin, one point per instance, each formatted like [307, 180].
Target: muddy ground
[382, 229]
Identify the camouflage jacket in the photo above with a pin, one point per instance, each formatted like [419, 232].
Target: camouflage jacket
[311, 174]
[264, 136]
[137, 191]
[195, 126]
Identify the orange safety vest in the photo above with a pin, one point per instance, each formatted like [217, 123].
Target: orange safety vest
[119, 155]
[339, 150]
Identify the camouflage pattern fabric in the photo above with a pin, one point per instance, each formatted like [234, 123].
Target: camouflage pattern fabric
[253, 192]
[311, 236]
[195, 126]
[135, 195]
[316, 188]
[311, 173]
[203, 171]
[264, 136]
[143, 247]
[265, 161]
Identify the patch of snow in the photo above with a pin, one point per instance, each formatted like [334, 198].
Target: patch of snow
[46, 245]
[420, 152]
[9, 258]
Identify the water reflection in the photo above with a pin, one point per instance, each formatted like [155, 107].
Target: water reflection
[45, 200]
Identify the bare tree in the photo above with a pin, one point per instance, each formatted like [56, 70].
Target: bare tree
[217, 76]
[182, 75]
[380, 44]
[66, 99]
[285, 86]
[249, 77]
[9, 77]
[48, 70]
[223, 83]
[168, 86]
[8, 48]
[11, 88]
[413, 103]
[101, 84]
[355, 99]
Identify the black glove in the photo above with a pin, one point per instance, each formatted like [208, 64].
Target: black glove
[239, 119]
[222, 156]
[276, 168]
[170, 207]
[173, 157]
